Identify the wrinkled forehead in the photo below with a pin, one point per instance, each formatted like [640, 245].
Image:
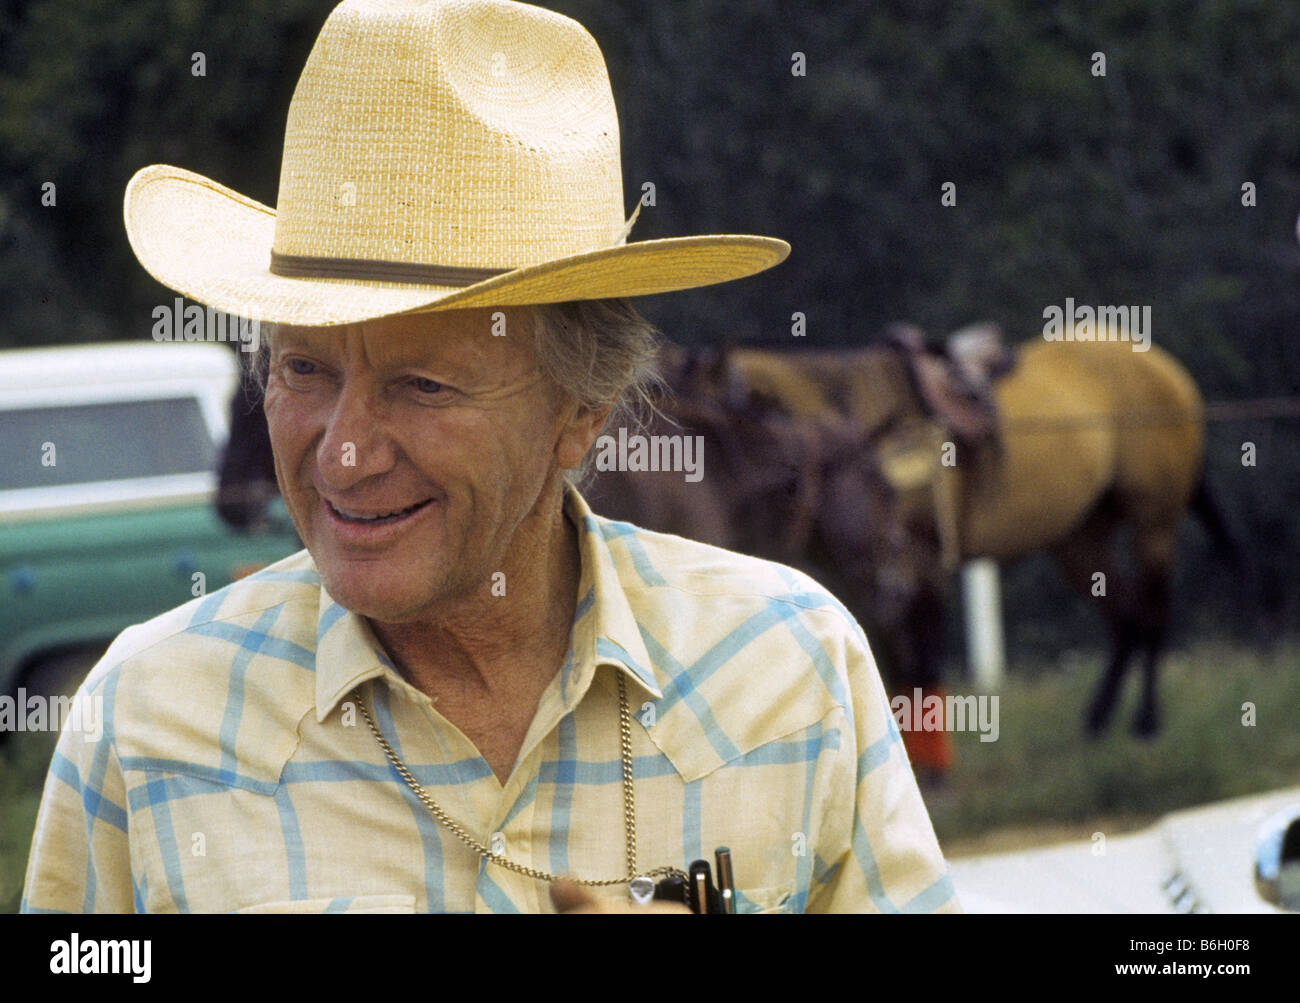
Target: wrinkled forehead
[495, 339]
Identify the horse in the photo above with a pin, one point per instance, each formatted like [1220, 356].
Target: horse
[246, 481]
[763, 473]
[1082, 439]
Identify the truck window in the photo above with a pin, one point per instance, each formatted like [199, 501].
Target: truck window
[103, 442]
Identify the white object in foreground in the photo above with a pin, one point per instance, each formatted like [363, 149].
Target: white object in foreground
[1199, 860]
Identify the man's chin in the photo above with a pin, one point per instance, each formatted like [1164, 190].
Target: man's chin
[386, 599]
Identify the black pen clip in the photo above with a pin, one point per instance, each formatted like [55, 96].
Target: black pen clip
[672, 889]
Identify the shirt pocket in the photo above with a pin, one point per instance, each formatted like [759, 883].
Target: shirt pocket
[764, 901]
[402, 904]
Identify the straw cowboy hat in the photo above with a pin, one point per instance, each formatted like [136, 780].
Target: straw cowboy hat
[438, 154]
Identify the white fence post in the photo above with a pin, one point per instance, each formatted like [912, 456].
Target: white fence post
[982, 608]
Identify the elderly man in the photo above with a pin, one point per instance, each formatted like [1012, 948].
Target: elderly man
[468, 687]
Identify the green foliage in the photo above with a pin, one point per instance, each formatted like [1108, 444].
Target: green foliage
[94, 91]
[1041, 769]
[24, 760]
[1122, 188]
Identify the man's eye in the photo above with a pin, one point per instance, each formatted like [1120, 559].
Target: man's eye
[301, 367]
[426, 386]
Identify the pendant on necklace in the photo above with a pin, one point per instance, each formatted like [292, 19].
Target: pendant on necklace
[641, 890]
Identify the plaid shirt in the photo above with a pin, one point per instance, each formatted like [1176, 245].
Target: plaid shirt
[234, 772]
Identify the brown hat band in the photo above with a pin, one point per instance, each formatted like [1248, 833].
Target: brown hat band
[300, 266]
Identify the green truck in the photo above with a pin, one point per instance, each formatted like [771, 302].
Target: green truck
[107, 482]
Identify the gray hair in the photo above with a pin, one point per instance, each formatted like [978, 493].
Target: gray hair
[598, 353]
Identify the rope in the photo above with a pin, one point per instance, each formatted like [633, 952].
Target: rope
[1250, 410]
[1245, 410]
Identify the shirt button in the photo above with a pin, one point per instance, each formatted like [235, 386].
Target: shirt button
[497, 844]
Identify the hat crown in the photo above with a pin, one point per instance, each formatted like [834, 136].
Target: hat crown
[460, 133]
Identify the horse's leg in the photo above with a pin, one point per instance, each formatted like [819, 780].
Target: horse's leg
[1125, 639]
[920, 641]
[1153, 550]
[1085, 553]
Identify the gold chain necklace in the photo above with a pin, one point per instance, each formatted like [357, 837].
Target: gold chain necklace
[629, 806]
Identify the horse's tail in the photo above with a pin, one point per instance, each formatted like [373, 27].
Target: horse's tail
[1211, 514]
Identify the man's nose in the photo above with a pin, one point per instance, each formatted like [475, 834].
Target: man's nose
[355, 444]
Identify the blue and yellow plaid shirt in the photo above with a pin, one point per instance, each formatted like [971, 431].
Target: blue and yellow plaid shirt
[234, 773]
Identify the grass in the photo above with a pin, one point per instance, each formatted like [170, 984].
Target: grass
[1040, 772]
[24, 760]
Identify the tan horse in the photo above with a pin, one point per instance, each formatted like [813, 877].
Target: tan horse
[1090, 437]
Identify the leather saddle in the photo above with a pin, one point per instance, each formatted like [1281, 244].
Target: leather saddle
[956, 384]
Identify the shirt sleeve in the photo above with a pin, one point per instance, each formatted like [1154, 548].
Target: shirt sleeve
[80, 858]
[885, 857]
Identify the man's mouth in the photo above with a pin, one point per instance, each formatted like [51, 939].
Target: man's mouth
[376, 519]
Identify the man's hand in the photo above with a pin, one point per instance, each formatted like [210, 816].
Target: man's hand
[572, 898]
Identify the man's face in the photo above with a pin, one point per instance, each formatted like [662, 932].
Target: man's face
[412, 451]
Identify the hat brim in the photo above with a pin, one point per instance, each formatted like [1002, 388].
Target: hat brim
[213, 245]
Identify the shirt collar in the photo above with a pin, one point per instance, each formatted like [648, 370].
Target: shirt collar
[347, 654]
[605, 631]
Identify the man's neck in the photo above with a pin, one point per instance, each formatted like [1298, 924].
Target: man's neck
[511, 635]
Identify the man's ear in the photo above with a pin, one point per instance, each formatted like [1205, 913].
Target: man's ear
[578, 431]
